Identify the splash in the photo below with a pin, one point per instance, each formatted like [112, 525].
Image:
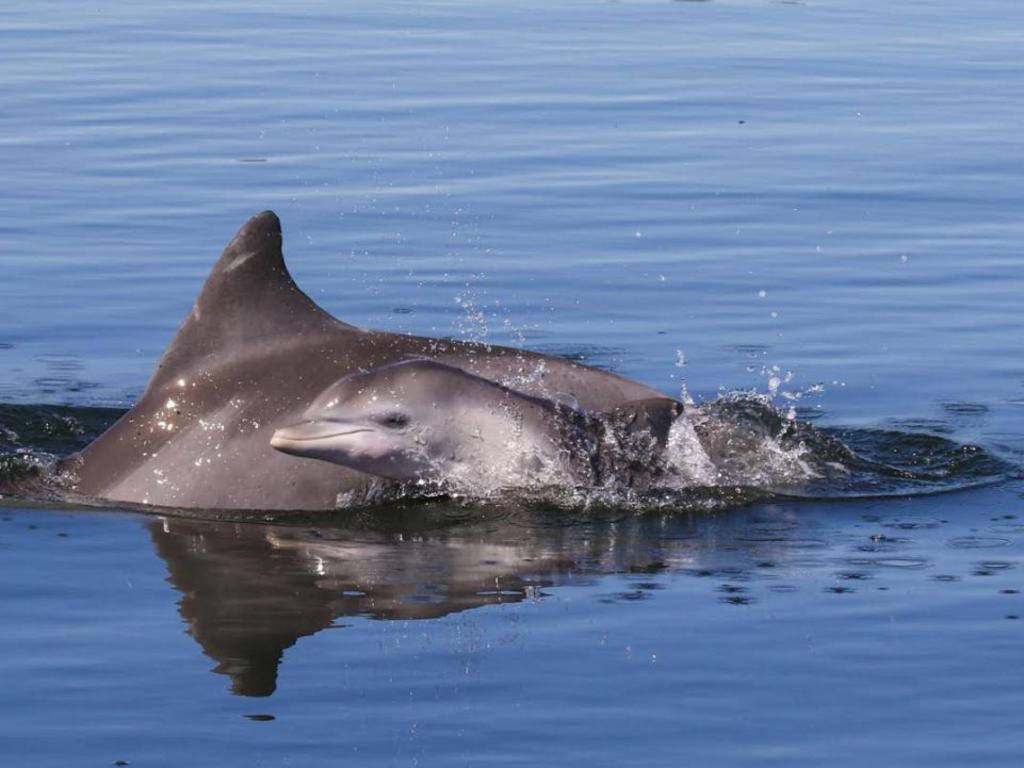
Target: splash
[33, 438]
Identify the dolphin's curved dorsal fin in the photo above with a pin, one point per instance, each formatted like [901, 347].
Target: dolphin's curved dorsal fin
[248, 299]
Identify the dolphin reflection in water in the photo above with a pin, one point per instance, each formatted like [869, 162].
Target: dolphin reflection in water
[249, 592]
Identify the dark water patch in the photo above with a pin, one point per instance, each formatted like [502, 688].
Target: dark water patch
[52, 429]
[965, 409]
[913, 525]
[770, 525]
[1012, 528]
[802, 543]
[992, 567]
[631, 596]
[61, 375]
[764, 538]
[34, 437]
[60, 386]
[730, 574]
[887, 463]
[977, 542]
[930, 426]
[738, 599]
[647, 586]
[735, 594]
[753, 443]
[759, 534]
[5, 345]
[732, 589]
[890, 562]
[649, 568]
[997, 565]
[61, 363]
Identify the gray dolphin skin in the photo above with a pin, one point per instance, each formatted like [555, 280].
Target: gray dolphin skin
[426, 420]
[250, 358]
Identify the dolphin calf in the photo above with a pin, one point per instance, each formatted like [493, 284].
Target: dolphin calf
[427, 420]
[250, 358]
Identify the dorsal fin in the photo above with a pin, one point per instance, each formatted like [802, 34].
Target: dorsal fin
[249, 298]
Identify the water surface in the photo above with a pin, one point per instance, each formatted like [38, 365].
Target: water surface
[820, 201]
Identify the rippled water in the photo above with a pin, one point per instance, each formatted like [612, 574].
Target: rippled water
[820, 201]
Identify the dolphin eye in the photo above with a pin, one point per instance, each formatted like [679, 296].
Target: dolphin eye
[394, 420]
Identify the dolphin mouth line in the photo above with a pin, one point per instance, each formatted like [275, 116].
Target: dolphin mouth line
[292, 438]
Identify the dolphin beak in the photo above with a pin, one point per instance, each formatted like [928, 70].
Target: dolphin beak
[295, 435]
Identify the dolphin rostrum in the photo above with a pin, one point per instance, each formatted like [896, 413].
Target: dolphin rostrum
[251, 356]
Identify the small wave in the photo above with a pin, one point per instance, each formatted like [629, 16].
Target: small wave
[34, 437]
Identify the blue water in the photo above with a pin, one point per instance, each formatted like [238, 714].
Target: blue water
[830, 188]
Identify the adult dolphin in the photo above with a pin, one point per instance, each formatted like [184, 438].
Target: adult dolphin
[252, 355]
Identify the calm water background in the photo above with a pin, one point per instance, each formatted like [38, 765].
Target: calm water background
[833, 188]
